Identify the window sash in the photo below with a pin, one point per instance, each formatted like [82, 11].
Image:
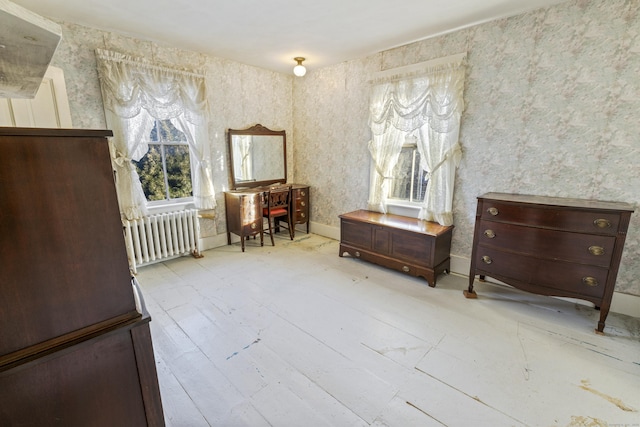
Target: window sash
[409, 182]
[162, 139]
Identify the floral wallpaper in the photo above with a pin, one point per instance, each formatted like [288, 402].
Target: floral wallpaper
[552, 99]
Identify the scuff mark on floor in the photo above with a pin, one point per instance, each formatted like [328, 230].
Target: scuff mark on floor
[578, 421]
[403, 350]
[235, 353]
[586, 385]
[525, 369]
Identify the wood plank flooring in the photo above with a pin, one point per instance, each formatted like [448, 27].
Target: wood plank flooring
[294, 335]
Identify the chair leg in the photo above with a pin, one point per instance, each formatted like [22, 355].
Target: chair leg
[271, 231]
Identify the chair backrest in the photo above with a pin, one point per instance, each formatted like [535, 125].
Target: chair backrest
[279, 197]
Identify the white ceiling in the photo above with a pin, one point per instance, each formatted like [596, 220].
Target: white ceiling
[270, 33]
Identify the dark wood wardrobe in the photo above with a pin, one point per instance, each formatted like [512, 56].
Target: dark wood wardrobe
[75, 345]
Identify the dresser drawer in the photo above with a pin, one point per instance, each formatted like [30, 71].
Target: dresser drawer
[583, 221]
[300, 204]
[252, 227]
[581, 280]
[549, 244]
[300, 213]
[301, 195]
[496, 263]
[557, 277]
[389, 262]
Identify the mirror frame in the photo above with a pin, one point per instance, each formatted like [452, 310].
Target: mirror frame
[260, 130]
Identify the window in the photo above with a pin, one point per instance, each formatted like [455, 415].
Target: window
[165, 171]
[409, 182]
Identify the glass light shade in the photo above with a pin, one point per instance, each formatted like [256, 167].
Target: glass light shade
[299, 70]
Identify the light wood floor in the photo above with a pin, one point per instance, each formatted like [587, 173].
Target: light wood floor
[294, 335]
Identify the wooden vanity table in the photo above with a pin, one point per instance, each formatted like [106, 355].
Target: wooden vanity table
[258, 162]
[244, 211]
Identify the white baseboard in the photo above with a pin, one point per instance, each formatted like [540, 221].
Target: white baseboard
[626, 304]
[325, 230]
[211, 242]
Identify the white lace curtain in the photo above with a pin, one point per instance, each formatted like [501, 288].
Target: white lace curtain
[421, 103]
[135, 92]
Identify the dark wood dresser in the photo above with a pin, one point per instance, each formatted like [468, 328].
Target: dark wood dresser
[75, 347]
[413, 246]
[550, 246]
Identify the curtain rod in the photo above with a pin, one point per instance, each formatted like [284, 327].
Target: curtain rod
[110, 55]
[417, 68]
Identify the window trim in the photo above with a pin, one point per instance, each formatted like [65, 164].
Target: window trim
[399, 207]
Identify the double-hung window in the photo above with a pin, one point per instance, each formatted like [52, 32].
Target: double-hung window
[160, 149]
[414, 116]
[165, 170]
[408, 180]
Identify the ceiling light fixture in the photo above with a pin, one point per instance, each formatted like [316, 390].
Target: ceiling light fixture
[299, 70]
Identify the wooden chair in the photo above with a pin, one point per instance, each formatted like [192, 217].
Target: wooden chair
[278, 207]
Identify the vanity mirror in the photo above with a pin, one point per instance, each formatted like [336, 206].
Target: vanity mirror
[257, 157]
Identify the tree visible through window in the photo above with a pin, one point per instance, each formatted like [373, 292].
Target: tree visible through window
[409, 182]
[165, 171]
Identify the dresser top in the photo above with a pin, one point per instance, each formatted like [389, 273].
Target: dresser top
[397, 221]
[558, 201]
[63, 133]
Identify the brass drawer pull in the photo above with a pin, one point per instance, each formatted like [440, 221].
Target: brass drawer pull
[303, 204]
[590, 281]
[602, 223]
[596, 250]
[490, 234]
[493, 211]
[405, 269]
[357, 254]
[254, 226]
[303, 193]
[487, 259]
[302, 215]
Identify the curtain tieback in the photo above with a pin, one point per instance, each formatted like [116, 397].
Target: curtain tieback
[121, 160]
[382, 174]
[444, 159]
[435, 168]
